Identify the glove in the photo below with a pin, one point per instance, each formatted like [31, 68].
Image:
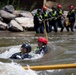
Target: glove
[18, 57]
[55, 18]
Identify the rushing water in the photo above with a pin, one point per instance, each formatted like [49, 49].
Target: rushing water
[62, 49]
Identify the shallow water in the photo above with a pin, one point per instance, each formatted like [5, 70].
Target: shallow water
[62, 49]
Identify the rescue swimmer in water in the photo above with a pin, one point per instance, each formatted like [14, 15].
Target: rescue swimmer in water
[26, 49]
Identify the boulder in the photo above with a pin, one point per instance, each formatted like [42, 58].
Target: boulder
[3, 26]
[26, 14]
[17, 12]
[7, 15]
[8, 8]
[14, 26]
[34, 12]
[25, 22]
[49, 4]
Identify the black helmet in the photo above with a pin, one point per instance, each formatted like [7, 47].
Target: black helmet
[27, 46]
[39, 10]
[53, 7]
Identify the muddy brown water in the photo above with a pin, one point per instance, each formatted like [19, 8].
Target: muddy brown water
[62, 49]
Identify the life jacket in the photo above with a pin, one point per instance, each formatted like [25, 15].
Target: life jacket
[70, 12]
[42, 50]
[60, 12]
[71, 16]
[40, 16]
[37, 18]
[53, 14]
[45, 15]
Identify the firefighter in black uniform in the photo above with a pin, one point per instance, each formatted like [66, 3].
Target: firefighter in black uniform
[71, 17]
[38, 22]
[60, 18]
[53, 19]
[45, 18]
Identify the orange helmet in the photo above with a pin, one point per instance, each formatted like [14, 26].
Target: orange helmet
[59, 6]
[44, 8]
[43, 40]
[71, 7]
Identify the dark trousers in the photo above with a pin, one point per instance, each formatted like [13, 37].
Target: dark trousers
[61, 24]
[71, 26]
[54, 25]
[40, 29]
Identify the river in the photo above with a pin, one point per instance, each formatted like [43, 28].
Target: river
[62, 49]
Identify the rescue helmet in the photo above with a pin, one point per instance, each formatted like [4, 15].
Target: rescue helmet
[43, 40]
[26, 46]
[59, 6]
[54, 7]
[39, 10]
[71, 7]
[44, 8]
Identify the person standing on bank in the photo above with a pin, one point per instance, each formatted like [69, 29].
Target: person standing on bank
[71, 17]
[25, 50]
[42, 46]
[38, 22]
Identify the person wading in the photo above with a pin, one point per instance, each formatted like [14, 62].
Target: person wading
[38, 22]
[71, 17]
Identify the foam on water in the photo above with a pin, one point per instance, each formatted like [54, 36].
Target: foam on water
[14, 69]
[10, 52]
[15, 49]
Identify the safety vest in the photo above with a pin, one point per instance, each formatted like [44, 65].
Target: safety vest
[60, 12]
[53, 14]
[70, 12]
[40, 16]
[45, 15]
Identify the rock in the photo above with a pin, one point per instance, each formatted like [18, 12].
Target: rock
[8, 8]
[3, 26]
[26, 14]
[50, 4]
[1, 19]
[14, 26]
[25, 22]
[16, 12]
[7, 15]
[34, 12]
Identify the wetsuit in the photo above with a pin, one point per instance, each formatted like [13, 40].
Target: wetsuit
[20, 56]
[42, 50]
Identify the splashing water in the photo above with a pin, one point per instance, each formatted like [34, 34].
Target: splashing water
[10, 52]
[15, 49]
[14, 69]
